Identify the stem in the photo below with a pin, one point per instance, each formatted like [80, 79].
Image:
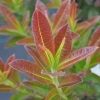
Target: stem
[55, 80]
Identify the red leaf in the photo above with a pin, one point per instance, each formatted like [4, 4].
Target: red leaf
[59, 37]
[75, 35]
[8, 15]
[1, 65]
[73, 10]
[70, 80]
[34, 54]
[68, 43]
[42, 32]
[95, 36]
[7, 67]
[77, 56]
[62, 14]
[41, 7]
[26, 41]
[31, 69]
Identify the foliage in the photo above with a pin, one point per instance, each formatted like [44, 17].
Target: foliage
[63, 51]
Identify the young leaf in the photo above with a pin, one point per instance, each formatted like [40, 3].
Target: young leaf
[94, 37]
[42, 89]
[30, 69]
[70, 80]
[48, 56]
[51, 95]
[7, 67]
[87, 25]
[35, 55]
[54, 4]
[12, 41]
[73, 10]
[26, 41]
[68, 43]
[61, 14]
[69, 89]
[41, 7]
[26, 19]
[59, 37]
[8, 30]
[77, 56]
[5, 88]
[1, 65]
[42, 32]
[75, 35]
[10, 18]
[52, 75]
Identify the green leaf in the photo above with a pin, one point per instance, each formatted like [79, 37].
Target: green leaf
[12, 41]
[42, 89]
[93, 78]
[86, 88]
[52, 94]
[19, 96]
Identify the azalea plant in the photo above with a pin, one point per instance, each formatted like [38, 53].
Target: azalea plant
[61, 66]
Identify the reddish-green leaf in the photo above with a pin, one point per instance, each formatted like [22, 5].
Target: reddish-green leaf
[8, 15]
[42, 89]
[68, 43]
[35, 55]
[26, 41]
[48, 56]
[12, 41]
[42, 32]
[7, 67]
[26, 19]
[52, 75]
[69, 89]
[61, 34]
[51, 95]
[77, 56]
[59, 37]
[8, 30]
[73, 10]
[87, 25]
[54, 4]
[70, 80]
[95, 36]
[30, 69]
[62, 14]
[75, 35]
[1, 65]
[5, 88]
[41, 7]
